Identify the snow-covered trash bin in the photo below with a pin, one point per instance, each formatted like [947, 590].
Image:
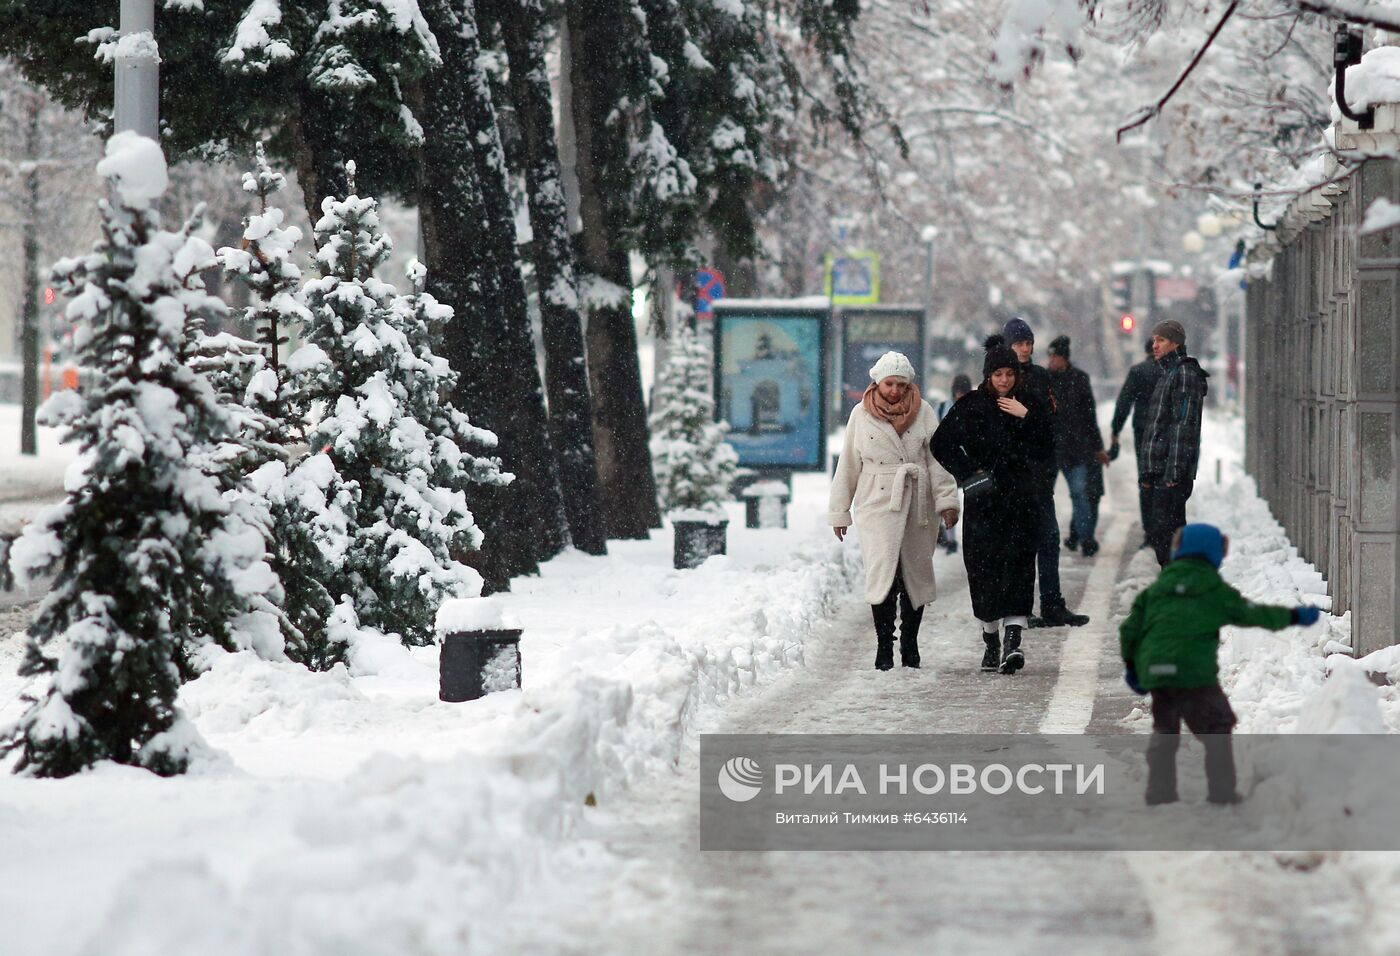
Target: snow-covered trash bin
[743, 478]
[699, 534]
[479, 650]
[765, 504]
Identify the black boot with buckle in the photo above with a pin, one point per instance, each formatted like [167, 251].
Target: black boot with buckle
[1012, 659]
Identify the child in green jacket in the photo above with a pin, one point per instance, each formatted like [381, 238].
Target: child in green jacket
[1169, 642]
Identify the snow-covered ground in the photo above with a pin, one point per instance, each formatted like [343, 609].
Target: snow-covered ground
[27, 481]
[354, 813]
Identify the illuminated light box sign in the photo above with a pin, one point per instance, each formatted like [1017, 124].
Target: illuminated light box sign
[770, 380]
[867, 334]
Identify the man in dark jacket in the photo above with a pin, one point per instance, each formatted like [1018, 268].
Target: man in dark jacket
[1133, 399]
[1079, 449]
[1171, 445]
[1036, 380]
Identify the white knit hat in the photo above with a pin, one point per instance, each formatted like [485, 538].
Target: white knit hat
[892, 363]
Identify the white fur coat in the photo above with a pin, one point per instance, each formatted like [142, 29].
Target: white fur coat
[894, 489]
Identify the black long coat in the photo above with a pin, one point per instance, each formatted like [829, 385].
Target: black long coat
[1001, 527]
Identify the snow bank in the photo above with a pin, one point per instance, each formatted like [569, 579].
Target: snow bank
[1299, 680]
[1271, 677]
[361, 815]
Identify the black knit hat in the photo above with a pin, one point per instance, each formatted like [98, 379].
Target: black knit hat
[999, 355]
[1059, 345]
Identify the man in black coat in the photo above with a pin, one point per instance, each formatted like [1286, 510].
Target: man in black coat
[1171, 446]
[1133, 399]
[1036, 382]
[1079, 450]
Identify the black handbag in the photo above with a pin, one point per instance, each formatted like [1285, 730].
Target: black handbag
[977, 485]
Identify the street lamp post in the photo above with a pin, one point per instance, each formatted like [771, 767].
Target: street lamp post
[137, 103]
[929, 235]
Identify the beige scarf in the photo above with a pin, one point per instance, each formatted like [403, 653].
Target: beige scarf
[900, 415]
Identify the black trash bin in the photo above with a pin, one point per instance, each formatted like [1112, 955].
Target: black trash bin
[475, 663]
[698, 540]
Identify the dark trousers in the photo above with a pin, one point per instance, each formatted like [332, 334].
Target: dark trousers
[909, 619]
[1142, 492]
[1047, 552]
[1207, 714]
[1085, 520]
[1166, 511]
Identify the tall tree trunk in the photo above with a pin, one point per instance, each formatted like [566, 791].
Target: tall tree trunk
[320, 164]
[523, 27]
[626, 484]
[468, 225]
[29, 320]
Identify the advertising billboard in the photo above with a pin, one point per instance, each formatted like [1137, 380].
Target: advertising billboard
[866, 334]
[770, 382]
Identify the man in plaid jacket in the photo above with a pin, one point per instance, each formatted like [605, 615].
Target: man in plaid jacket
[1172, 443]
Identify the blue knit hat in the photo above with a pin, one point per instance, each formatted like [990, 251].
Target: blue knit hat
[1201, 541]
[1016, 330]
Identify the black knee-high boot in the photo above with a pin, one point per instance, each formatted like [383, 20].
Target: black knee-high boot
[909, 620]
[884, 633]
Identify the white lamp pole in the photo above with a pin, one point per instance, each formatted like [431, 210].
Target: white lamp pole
[929, 235]
[137, 105]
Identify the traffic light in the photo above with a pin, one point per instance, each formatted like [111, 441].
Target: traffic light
[1123, 294]
[49, 295]
[1127, 323]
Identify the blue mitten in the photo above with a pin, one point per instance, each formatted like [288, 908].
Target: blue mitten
[1306, 615]
[1130, 678]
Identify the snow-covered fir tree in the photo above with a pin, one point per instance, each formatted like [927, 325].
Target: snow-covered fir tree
[694, 464]
[396, 457]
[149, 560]
[263, 262]
[292, 506]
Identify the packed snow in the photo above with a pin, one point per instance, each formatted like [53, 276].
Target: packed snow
[352, 811]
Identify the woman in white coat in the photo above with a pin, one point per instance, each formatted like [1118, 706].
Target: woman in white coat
[889, 482]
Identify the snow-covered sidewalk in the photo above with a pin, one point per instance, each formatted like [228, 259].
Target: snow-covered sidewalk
[27, 482]
[356, 813]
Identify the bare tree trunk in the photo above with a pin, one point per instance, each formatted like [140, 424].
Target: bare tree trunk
[626, 484]
[523, 27]
[29, 320]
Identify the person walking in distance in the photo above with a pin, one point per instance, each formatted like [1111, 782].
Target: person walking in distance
[995, 441]
[948, 537]
[1133, 399]
[1079, 451]
[888, 482]
[1171, 446]
[1035, 381]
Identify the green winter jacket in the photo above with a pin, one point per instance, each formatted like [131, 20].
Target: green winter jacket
[1173, 631]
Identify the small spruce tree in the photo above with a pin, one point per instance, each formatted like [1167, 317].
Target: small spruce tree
[288, 510]
[145, 551]
[400, 457]
[694, 465]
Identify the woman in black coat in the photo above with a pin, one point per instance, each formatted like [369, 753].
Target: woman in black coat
[989, 442]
